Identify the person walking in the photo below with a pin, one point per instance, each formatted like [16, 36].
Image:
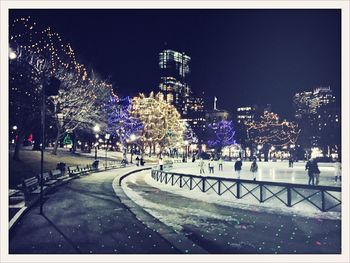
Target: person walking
[193, 158]
[238, 167]
[291, 161]
[220, 162]
[201, 166]
[337, 171]
[254, 169]
[137, 161]
[310, 172]
[316, 172]
[160, 163]
[211, 166]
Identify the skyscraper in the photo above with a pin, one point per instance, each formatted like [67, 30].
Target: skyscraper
[318, 116]
[174, 72]
[174, 84]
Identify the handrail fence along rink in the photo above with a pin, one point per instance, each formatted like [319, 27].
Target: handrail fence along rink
[323, 198]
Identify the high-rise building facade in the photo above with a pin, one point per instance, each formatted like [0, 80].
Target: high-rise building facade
[174, 84]
[174, 79]
[318, 116]
[244, 114]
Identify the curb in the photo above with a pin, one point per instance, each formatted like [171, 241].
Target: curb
[179, 241]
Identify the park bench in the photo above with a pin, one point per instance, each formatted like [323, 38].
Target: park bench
[13, 192]
[56, 174]
[16, 198]
[74, 171]
[113, 164]
[31, 185]
[47, 178]
[84, 170]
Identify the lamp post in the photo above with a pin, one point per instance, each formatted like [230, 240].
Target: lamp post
[107, 136]
[12, 54]
[132, 139]
[40, 65]
[14, 128]
[96, 130]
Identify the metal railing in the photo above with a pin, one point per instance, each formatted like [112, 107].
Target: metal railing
[321, 197]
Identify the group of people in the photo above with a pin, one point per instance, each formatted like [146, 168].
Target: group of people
[140, 161]
[237, 167]
[313, 172]
[211, 164]
[311, 166]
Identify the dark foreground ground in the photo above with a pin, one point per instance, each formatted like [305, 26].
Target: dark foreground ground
[85, 216]
[222, 229]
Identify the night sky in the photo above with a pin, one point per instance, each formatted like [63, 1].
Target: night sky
[241, 56]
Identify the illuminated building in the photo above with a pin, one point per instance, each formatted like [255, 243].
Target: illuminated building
[174, 85]
[174, 72]
[318, 116]
[244, 114]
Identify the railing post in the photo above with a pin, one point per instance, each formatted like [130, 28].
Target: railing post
[262, 193]
[289, 197]
[323, 201]
[180, 181]
[238, 190]
[191, 178]
[172, 179]
[203, 185]
[219, 187]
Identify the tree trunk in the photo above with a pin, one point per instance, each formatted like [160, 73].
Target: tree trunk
[54, 151]
[75, 140]
[18, 146]
[37, 140]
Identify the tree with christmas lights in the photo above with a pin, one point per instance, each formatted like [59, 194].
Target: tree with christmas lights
[220, 135]
[79, 105]
[189, 135]
[161, 122]
[80, 97]
[120, 121]
[270, 131]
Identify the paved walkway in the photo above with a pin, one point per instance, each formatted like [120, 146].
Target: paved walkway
[85, 216]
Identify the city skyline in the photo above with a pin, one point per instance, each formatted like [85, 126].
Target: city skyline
[233, 57]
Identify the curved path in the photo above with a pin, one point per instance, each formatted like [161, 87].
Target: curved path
[85, 216]
[222, 229]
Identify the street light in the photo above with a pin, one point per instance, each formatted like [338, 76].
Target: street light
[12, 54]
[96, 130]
[107, 136]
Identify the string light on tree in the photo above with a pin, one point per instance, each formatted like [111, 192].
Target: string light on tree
[270, 131]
